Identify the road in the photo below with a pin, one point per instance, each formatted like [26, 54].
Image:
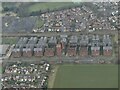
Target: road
[56, 34]
[56, 59]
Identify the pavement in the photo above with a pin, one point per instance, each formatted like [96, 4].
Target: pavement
[60, 33]
[63, 58]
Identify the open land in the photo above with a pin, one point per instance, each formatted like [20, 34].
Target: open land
[87, 76]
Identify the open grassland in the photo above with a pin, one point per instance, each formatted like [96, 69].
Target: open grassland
[9, 40]
[87, 76]
[39, 23]
[0, 70]
[26, 9]
[49, 5]
[10, 4]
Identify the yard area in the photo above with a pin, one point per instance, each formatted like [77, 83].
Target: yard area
[86, 76]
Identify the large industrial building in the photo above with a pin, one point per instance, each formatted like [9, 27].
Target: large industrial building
[67, 45]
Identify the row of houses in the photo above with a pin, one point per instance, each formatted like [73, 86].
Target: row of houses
[68, 45]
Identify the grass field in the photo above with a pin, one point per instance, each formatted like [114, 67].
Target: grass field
[49, 5]
[39, 23]
[86, 76]
[10, 4]
[9, 40]
[30, 7]
[0, 70]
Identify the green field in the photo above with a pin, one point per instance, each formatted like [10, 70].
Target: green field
[49, 5]
[9, 40]
[10, 4]
[86, 76]
[39, 23]
[0, 70]
[26, 9]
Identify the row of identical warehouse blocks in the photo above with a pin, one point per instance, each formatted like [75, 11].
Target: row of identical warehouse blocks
[106, 46]
[71, 46]
[19, 46]
[35, 46]
[28, 50]
[87, 45]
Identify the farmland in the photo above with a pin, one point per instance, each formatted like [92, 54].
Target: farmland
[87, 76]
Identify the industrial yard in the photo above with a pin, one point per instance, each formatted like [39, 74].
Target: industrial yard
[59, 45]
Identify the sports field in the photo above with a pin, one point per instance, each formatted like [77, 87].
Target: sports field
[86, 76]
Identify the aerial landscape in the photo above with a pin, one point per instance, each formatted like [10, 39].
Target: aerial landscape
[59, 45]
